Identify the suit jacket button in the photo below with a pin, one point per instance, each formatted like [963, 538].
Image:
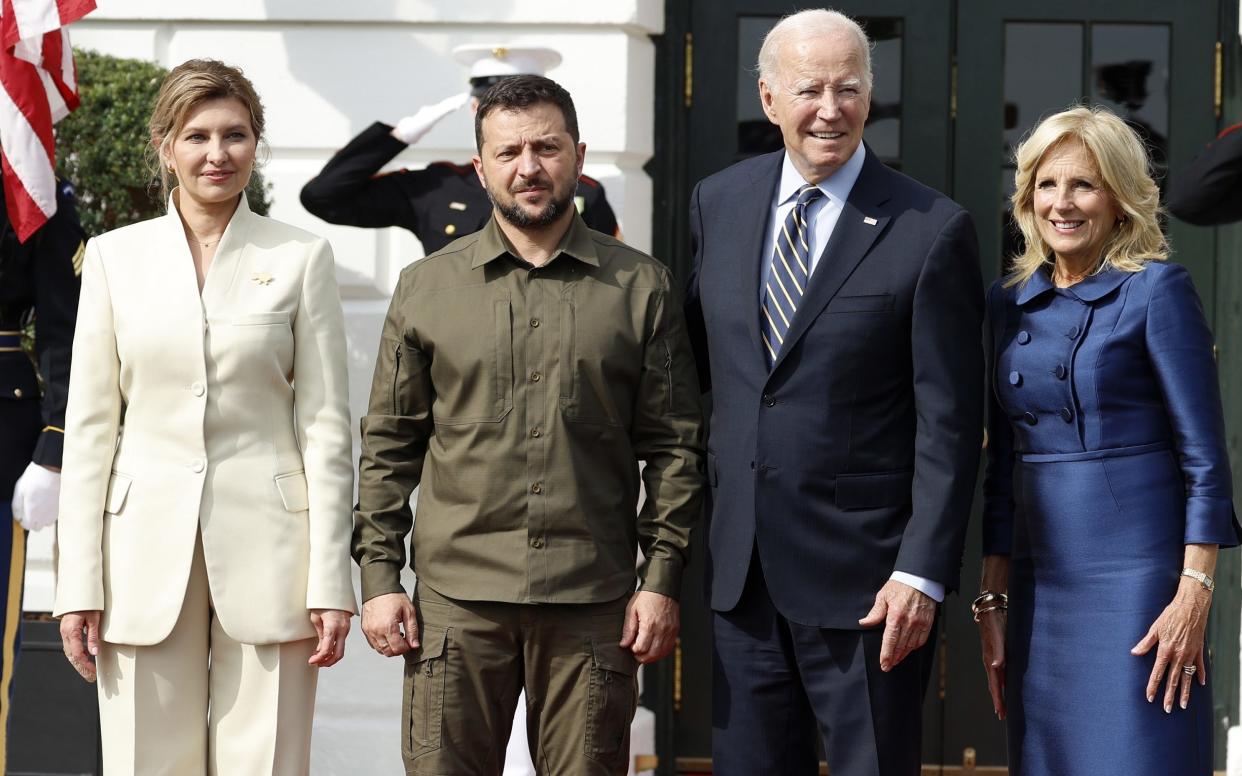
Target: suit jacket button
[1060, 371]
[769, 400]
[1015, 378]
[1067, 414]
[1073, 332]
[17, 393]
[1030, 418]
[197, 465]
[197, 389]
[1024, 337]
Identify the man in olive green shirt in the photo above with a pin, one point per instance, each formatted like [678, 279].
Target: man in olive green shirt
[523, 373]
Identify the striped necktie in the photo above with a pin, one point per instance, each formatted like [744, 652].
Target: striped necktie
[791, 263]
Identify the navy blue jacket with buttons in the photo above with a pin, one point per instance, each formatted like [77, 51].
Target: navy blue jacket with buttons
[1121, 361]
[856, 454]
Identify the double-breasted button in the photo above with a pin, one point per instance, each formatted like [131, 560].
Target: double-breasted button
[769, 400]
[1073, 332]
[1030, 418]
[537, 488]
[1060, 371]
[1024, 337]
[1015, 378]
[197, 465]
[197, 388]
[1067, 414]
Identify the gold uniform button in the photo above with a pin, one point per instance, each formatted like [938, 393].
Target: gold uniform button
[17, 392]
[537, 488]
[450, 229]
[537, 543]
[535, 377]
[535, 432]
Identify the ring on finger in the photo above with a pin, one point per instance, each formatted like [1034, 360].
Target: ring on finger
[1189, 669]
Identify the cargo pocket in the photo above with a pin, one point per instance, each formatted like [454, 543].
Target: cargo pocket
[423, 697]
[611, 704]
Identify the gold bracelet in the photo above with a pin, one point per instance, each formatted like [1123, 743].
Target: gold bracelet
[987, 609]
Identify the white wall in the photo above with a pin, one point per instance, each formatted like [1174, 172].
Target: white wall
[325, 70]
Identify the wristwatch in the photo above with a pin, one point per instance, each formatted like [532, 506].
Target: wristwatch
[1200, 577]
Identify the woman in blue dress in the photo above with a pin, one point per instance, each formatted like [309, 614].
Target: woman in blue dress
[1108, 487]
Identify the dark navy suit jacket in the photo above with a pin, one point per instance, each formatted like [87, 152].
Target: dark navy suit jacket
[857, 453]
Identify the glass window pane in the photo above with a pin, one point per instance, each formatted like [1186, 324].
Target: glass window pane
[1130, 75]
[756, 135]
[1043, 74]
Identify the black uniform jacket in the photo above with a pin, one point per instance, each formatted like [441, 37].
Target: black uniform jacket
[1209, 190]
[438, 204]
[39, 281]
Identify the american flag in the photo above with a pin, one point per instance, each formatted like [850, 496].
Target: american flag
[38, 87]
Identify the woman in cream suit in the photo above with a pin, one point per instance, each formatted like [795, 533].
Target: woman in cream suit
[205, 508]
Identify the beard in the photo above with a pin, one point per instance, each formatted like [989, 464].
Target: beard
[512, 212]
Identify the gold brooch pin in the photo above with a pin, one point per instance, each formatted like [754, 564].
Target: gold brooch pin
[262, 278]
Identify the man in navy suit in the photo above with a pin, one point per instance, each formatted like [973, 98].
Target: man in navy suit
[836, 308]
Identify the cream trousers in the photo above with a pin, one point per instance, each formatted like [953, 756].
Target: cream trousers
[200, 703]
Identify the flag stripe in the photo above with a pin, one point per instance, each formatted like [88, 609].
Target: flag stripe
[38, 87]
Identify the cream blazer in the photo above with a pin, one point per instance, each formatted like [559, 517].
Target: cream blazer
[226, 413]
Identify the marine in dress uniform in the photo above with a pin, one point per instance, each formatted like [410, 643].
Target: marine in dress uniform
[38, 281]
[444, 201]
[1208, 191]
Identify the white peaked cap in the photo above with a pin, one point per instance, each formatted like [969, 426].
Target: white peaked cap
[493, 60]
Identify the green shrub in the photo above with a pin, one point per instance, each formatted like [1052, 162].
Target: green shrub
[100, 147]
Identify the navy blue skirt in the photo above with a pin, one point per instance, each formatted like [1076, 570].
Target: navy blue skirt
[1097, 554]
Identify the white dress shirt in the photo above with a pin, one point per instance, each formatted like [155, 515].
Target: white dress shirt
[822, 215]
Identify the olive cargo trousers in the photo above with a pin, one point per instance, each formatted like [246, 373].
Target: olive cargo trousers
[462, 684]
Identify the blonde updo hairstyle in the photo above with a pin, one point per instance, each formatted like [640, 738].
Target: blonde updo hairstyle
[1124, 169]
[186, 87]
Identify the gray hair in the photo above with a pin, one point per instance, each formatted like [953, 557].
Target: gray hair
[814, 21]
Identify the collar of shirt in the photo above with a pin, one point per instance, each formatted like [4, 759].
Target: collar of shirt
[575, 243]
[822, 214]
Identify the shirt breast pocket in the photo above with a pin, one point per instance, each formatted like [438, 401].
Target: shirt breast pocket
[480, 367]
[595, 362]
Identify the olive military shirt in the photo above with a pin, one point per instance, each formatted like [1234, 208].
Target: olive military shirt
[520, 400]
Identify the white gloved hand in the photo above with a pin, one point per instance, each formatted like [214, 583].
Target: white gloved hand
[36, 497]
[411, 128]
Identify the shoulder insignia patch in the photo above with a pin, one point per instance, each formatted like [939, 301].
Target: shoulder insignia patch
[78, 257]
